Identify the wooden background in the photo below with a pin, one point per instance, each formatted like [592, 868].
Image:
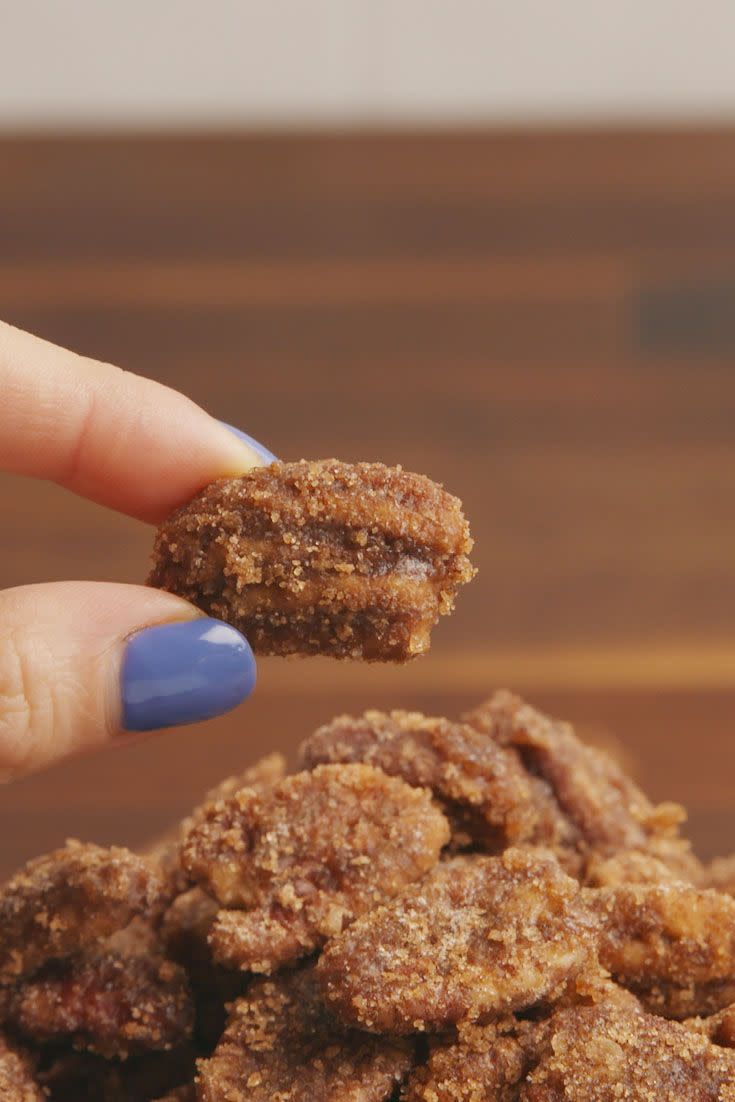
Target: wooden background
[543, 321]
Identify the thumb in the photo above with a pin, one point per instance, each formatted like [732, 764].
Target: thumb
[82, 662]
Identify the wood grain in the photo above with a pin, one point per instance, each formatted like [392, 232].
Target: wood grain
[543, 321]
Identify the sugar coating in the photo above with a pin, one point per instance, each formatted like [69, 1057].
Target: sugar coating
[476, 1064]
[282, 1044]
[351, 560]
[482, 787]
[616, 1053]
[539, 951]
[16, 1077]
[671, 943]
[293, 867]
[71, 898]
[107, 1003]
[606, 811]
[477, 936]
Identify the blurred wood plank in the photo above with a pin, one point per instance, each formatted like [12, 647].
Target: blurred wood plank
[144, 284]
[545, 321]
[367, 195]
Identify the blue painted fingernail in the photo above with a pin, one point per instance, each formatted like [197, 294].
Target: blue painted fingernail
[269, 457]
[181, 673]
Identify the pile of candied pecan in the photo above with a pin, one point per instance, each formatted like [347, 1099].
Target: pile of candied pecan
[430, 911]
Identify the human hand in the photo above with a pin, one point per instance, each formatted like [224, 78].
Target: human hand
[81, 662]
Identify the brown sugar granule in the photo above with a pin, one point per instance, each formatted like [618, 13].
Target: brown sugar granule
[282, 1045]
[628, 867]
[17, 1083]
[719, 1027]
[670, 943]
[301, 862]
[608, 812]
[483, 788]
[106, 1003]
[348, 560]
[613, 1052]
[481, 1064]
[478, 936]
[71, 898]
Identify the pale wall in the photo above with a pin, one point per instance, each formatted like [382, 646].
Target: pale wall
[260, 62]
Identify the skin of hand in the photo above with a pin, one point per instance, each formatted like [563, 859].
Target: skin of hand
[83, 662]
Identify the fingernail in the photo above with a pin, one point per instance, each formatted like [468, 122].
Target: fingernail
[181, 673]
[269, 457]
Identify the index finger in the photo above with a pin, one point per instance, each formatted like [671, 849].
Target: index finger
[106, 434]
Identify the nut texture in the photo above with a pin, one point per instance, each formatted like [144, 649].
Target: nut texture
[348, 560]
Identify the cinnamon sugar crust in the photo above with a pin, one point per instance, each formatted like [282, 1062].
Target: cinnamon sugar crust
[347, 560]
[606, 811]
[17, 1083]
[482, 787]
[670, 943]
[615, 1053]
[106, 1003]
[283, 1043]
[72, 898]
[478, 936]
[294, 867]
[483, 910]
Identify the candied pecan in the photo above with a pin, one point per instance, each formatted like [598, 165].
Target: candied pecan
[165, 851]
[71, 898]
[670, 943]
[350, 560]
[106, 1003]
[607, 810]
[483, 788]
[281, 1043]
[612, 1052]
[478, 936]
[308, 857]
[482, 1063]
